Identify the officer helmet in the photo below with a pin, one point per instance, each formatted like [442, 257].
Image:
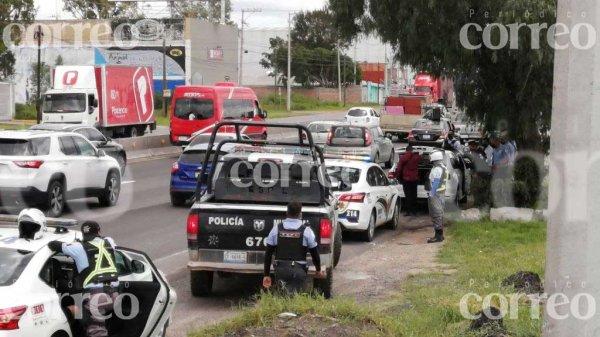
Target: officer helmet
[436, 156]
[32, 224]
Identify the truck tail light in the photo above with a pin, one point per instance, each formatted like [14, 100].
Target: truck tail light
[33, 164]
[353, 197]
[9, 318]
[174, 168]
[367, 138]
[326, 231]
[329, 136]
[192, 226]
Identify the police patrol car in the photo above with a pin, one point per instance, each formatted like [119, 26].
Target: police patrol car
[35, 287]
[366, 197]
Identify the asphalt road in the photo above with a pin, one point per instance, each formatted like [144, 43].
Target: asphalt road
[145, 220]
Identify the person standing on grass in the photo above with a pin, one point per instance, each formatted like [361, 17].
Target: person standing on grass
[407, 173]
[436, 187]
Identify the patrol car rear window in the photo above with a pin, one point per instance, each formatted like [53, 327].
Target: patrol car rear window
[12, 264]
[25, 147]
[196, 157]
[349, 175]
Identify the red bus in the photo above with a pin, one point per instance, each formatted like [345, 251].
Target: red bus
[199, 108]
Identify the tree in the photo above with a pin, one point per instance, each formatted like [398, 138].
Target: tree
[11, 11]
[45, 78]
[100, 9]
[203, 9]
[509, 87]
[314, 53]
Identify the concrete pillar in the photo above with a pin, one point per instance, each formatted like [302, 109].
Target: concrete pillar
[573, 243]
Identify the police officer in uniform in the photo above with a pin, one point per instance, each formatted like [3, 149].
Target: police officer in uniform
[436, 188]
[98, 278]
[290, 241]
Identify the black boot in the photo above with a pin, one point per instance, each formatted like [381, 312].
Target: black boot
[439, 236]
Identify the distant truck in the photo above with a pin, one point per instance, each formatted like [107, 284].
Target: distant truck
[117, 100]
[427, 85]
[400, 114]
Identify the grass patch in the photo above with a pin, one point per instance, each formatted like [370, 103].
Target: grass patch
[25, 112]
[483, 254]
[275, 104]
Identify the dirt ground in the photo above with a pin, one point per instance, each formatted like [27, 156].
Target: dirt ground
[375, 274]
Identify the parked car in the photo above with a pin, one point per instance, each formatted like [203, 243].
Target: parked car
[96, 137]
[47, 167]
[360, 143]
[467, 128]
[320, 130]
[184, 172]
[459, 172]
[366, 197]
[35, 287]
[427, 132]
[363, 116]
[203, 138]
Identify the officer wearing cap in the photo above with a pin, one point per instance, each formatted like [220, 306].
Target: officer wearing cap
[436, 188]
[290, 242]
[94, 257]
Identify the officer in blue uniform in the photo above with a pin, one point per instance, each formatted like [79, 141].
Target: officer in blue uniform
[290, 241]
[98, 278]
[436, 189]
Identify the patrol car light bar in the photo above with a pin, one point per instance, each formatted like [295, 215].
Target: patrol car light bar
[366, 159]
[50, 222]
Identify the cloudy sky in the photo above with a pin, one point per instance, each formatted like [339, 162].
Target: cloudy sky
[274, 12]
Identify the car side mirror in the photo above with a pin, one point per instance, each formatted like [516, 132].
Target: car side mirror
[138, 267]
[100, 153]
[264, 114]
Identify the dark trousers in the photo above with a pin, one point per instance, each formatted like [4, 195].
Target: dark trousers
[410, 194]
[97, 305]
[291, 277]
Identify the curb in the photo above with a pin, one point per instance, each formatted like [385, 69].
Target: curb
[139, 155]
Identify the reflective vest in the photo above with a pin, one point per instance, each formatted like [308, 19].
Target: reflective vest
[290, 244]
[101, 263]
[444, 180]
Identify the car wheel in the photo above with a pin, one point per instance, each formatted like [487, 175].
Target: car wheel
[201, 283]
[178, 199]
[141, 130]
[56, 199]
[324, 286]
[122, 163]
[60, 334]
[337, 246]
[390, 162]
[369, 233]
[112, 188]
[395, 222]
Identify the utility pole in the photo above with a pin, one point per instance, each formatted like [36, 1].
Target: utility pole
[223, 4]
[339, 74]
[355, 63]
[289, 65]
[344, 79]
[242, 51]
[38, 36]
[164, 77]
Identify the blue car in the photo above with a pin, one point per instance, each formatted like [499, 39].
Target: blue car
[185, 171]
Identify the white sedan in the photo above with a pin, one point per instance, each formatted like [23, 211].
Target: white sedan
[366, 197]
[363, 116]
[35, 291]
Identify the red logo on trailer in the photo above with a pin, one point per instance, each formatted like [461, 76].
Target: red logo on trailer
[70, 77]
[142, 89]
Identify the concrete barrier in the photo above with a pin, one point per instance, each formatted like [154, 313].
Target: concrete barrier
[144, 143]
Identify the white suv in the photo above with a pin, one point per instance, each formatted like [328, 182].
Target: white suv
[45, 168]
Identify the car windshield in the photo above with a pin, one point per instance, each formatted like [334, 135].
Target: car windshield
[25, 147]
[348, 132]
[357, 113]
[319, 128]
[59, 103]
[12, 264]
[349, 175]
[196, 156]
[194, 108]
[426, 124]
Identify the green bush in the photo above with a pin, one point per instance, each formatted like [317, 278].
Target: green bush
[25, 111]
[480, 188]
[527, 182]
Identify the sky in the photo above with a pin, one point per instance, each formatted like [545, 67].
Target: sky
[273, 14]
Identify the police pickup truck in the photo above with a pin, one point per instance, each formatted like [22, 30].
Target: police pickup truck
[247, 194]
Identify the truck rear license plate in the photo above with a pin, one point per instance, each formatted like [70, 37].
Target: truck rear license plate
[426, 137]
[235, 257]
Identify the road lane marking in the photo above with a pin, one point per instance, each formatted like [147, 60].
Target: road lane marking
[159, 260]
[127, 182]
